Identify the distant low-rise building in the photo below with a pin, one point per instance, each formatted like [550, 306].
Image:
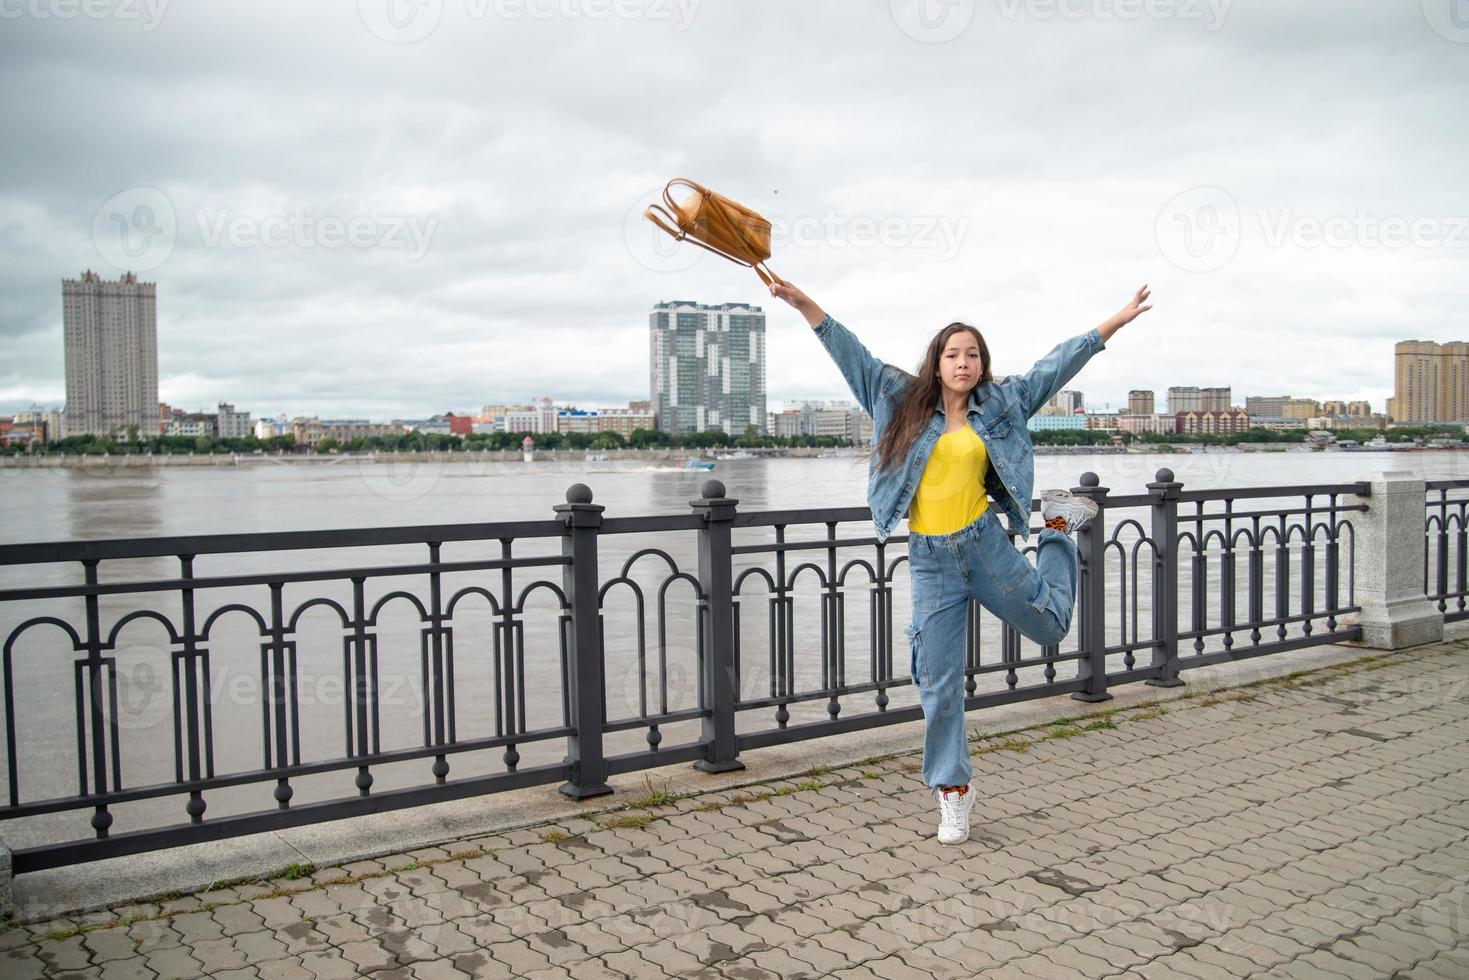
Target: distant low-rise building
[637, 415]
[1370, 421]
[1054, 423]
[838, 419]
[45, 424]
[1148, 422]
[1276, 423]
[1189, 398]
[232, 424]
[309, 432]
[13, 433]
[1213, 423]
[191, 424]
[434, 425]
[1300, 408]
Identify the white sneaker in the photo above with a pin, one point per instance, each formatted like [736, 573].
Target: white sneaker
[954, 810]
[1076, 511]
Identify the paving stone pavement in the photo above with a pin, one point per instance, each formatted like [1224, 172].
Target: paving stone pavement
[1316, 826]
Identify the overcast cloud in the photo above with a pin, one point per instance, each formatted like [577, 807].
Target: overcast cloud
[391, 208]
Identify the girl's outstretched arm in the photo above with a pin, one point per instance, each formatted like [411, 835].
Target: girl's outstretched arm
[865, 374]
[1052, 372]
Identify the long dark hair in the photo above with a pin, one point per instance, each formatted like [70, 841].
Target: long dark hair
[919, 398]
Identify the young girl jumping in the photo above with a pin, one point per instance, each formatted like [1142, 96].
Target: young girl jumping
[943, 441]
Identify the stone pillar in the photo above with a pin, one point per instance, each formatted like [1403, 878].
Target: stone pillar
[1388, 548]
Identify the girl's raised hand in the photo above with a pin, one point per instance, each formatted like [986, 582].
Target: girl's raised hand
[1125, 315]
[1132, 309]
[803, 304]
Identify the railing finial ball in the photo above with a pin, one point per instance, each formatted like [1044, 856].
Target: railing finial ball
[712, 490]
[1164, 475]
[1090, 479]
[578, 493]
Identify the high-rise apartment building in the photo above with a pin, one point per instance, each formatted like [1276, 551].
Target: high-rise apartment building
[110, 335]
[707, 367]
[1430, 382]
[1139, 402]
[1191, 399]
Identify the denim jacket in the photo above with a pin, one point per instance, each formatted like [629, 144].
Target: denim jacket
[998, 412]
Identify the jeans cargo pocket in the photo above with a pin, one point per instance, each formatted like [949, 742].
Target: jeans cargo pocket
[1042, 598]
[915, 654]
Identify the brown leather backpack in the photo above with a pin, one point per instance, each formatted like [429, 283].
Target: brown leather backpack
[724, 227]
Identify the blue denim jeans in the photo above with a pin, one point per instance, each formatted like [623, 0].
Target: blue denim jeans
[946, 571]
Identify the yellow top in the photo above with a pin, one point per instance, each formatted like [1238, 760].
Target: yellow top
[951, 493]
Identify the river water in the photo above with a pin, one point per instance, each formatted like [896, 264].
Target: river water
[105, 502]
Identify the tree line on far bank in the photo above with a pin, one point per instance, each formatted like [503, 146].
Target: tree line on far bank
[130, 443]
[1099, 437]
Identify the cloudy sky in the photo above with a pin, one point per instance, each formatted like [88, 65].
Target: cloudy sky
[397, 207]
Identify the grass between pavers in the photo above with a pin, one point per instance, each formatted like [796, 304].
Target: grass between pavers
[635, 813]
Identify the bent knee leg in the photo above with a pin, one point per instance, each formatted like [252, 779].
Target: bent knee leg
[1046, 616]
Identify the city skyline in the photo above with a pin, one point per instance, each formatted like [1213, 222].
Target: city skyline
[90, 299]
[428, 246]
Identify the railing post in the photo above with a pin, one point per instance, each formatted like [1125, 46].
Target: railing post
[584, 679]
[1091, 594]
[1388, 542]
[719, 685]
[1165, 578]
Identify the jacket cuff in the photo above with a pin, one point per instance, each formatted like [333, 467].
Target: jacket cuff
[1094, 338]
[824, 327]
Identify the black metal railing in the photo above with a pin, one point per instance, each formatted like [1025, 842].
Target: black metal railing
[1447, 547]
[509, 671]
